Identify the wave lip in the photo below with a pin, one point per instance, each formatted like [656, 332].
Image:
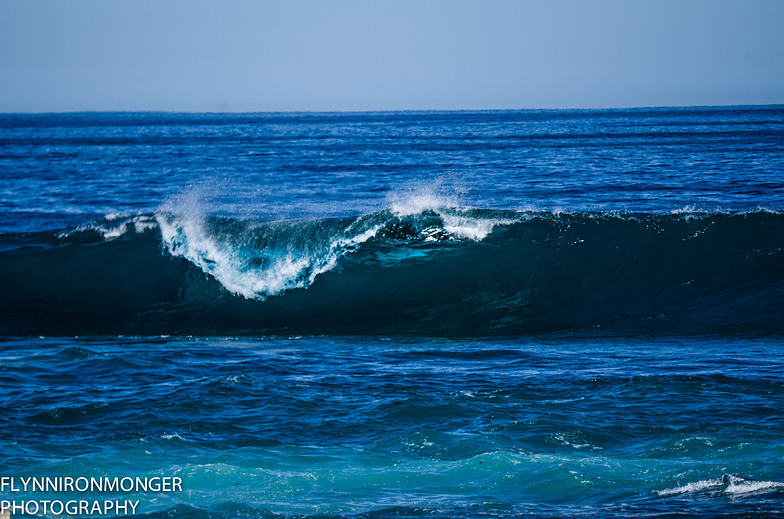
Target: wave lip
[257, 260]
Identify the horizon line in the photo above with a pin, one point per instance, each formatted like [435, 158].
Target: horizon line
[415, 110]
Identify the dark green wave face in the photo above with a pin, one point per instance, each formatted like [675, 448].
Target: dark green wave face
[440, 271]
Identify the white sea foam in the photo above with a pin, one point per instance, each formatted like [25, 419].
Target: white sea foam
[729, 484]
[439, 193]
[287, 267]
[138, 224]
[696, 486]
[458, 221]
[116, 225]
[472, 228]
[688, 209]
[419, 203]
[744, 486]
[186, 236]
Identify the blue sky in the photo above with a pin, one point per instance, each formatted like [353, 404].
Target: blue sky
[231, 55]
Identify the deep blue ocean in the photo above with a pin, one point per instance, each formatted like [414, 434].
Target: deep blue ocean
[575, 313]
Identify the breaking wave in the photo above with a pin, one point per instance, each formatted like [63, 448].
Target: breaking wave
[416, 268]
[727, 484]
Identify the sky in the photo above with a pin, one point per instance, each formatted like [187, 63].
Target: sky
[338, 55]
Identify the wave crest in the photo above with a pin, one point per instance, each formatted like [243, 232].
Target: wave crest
[442, 271]
[727, 484]
[258, 261]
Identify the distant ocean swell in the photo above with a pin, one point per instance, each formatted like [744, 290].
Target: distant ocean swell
[440, 270]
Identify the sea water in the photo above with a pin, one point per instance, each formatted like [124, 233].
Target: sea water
[405, 314]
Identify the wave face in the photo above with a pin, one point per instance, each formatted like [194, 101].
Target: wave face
[414, 269]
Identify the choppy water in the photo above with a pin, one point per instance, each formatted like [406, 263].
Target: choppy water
[496, 314]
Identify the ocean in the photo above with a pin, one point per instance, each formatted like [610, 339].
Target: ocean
[559, 313]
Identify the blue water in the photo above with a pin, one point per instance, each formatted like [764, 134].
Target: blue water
[425, 314]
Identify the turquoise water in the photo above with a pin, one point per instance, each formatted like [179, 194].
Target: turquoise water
[599, 426]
